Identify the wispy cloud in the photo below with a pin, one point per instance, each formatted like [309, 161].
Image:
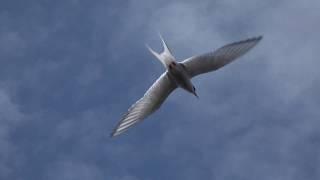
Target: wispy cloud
[68, 71]
[10, 117]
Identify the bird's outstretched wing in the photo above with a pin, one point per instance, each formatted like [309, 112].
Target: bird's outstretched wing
[214, 60]
[149, 103]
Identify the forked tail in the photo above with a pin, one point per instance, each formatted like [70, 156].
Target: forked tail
[165, 57]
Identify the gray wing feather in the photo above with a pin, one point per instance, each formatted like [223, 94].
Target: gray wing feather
[214, 60]
[145, 106]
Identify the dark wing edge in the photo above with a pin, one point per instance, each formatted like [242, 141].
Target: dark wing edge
[214, 60]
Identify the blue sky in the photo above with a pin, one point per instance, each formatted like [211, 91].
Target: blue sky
[70, 69]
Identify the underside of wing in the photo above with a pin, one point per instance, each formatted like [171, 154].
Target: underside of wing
[145, 106]
[214, 60]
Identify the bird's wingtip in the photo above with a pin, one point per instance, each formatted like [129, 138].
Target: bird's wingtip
[259, 37]
[114, 133]
[111, 135]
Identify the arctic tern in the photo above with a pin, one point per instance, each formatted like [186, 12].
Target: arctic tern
[179, 74]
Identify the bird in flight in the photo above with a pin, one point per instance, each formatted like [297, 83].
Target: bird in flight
[179, 74]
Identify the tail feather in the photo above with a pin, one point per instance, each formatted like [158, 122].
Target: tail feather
[165, 57]
[166, 50]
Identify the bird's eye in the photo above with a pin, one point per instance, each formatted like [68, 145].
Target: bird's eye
[194, 89]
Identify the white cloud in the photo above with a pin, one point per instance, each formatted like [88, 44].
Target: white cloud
[253, 119]
[282, 68]
[10, 116]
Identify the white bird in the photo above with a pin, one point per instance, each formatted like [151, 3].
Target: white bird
[179, 74]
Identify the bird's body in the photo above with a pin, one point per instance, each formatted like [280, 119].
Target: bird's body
[179, 74]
